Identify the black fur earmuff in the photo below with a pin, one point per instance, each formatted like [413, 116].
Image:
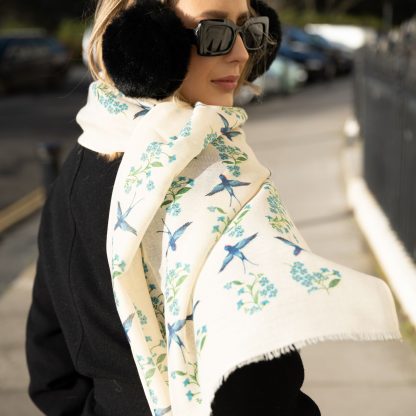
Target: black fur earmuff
[146, 49]
[264, 59]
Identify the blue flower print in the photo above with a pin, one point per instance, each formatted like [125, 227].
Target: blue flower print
[322, 280]
[231, 156]
[254, 293]
[150, 185]
[108, 98]
[186, 131]
[174, 209]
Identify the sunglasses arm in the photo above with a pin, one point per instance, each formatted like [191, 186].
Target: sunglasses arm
[191, 33]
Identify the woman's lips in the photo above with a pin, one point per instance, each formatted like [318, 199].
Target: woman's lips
[226, 85]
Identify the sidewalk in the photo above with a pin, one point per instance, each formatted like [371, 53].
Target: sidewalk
[14, 305]
[304, 151]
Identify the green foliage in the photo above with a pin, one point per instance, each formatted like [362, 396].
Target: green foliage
[11, 23]
[70, 33]
[295, 17]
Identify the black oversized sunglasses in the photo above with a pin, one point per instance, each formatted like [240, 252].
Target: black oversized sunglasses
[214, 37]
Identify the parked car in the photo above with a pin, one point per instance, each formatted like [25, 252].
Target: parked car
[283, 77]
[316, 64]
[342, 56]
[320, 57]
[31, 59]
[351, 37]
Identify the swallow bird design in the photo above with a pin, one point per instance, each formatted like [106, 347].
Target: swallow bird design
[235, 250]
[127, 324]
[121, 217]
[297, 249]
[227, 184]
[176, 327]
[226, 130]
[163, 411]
[144, 111]
[174, 237]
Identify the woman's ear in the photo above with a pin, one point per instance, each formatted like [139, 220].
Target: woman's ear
[146, 50]
[265, 58]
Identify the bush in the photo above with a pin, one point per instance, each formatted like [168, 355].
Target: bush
[70, 32]
[301, 18]
[9, 24]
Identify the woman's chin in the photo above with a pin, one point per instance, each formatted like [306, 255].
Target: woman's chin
[222, 99]
[225, 100]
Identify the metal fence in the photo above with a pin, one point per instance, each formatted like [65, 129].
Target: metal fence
[385, 107]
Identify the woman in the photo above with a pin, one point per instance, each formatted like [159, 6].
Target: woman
[78, 355]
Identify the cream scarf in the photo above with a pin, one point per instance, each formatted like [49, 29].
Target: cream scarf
[235, 282]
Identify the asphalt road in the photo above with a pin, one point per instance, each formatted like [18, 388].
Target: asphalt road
[30, 118]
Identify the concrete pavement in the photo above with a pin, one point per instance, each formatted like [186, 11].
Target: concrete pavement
[300, 139]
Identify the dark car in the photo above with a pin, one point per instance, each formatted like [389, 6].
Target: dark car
[341, 55]
[320, 57]
[31, 60]
[316, 63]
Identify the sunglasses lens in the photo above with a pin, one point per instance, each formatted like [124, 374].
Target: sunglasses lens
[254, 36]
[218, 39]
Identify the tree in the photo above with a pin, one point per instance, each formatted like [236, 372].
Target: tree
[401, 9]
[45, 13]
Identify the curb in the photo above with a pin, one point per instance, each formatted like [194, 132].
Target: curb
[396, 265]
[21, 209]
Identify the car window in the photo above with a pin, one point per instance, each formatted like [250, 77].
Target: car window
[3, 44]
[17, 50]
[40, 47]
[25, 49]
[54, 45]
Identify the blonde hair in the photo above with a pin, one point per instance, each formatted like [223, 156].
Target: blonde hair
[105, 12]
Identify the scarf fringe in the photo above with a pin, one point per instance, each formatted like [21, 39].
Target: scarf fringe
[267, 356]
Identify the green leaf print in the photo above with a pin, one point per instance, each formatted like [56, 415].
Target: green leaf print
[161, 358]
[280, 221]
[231, 156]
[149, 374]
[334, 282]
[178, 188]
[254, 293]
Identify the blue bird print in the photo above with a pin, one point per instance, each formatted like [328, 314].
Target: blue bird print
[127, 324]
[121, 217]
[144, 111]
[235, 250]
[161, 412]
[226, 130]
[177, 326]
[227, 184]
[173, 237]
[297, 249]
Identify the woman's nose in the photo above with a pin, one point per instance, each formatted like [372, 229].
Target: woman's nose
[238, 51]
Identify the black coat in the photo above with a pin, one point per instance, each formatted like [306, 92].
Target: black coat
[79, 359]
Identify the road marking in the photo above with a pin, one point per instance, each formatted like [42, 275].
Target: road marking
[21, 209]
